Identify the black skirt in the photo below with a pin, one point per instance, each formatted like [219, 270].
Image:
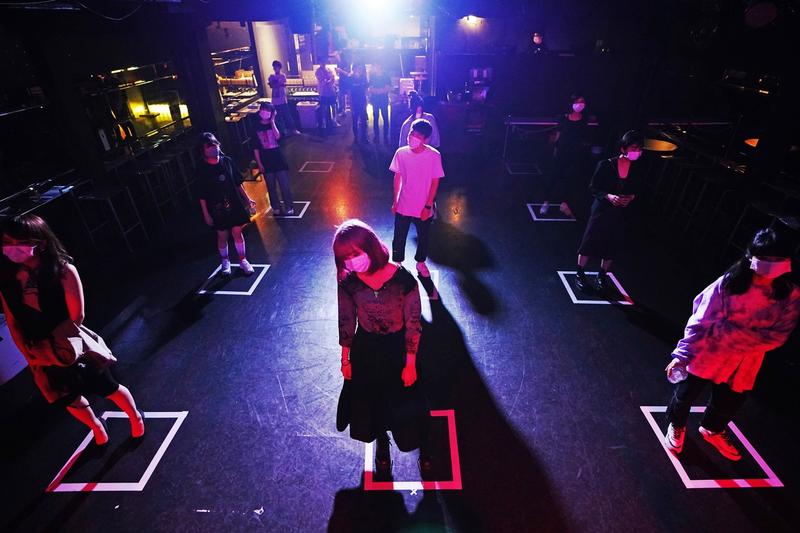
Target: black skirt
[605, 232]
[374, 400]
[229, 213]
[273, 161]
[81, 379]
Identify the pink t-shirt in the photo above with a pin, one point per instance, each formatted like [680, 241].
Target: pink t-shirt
[417, 172]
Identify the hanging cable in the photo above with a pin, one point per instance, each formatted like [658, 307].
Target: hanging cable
[107, 17]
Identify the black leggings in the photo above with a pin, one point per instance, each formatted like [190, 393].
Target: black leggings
[721, 407]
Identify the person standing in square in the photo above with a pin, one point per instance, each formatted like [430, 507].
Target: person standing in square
[277, 82]
[358, 103]
[417, 170]
[379, 86]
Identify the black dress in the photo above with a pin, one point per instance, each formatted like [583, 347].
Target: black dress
[605, 231]
[219, 185]
[567, 159]
[380, 327]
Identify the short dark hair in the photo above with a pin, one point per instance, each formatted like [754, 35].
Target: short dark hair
[206, 139]
[277, 63]
[422, 126]
[631, 137]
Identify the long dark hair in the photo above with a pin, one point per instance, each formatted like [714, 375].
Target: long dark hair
[739, 277]
[53, 256]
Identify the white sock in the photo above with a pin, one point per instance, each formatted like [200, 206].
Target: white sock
[223, 252]
[240, 249]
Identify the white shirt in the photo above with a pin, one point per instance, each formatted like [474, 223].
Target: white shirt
[417, 172]
[279, 90]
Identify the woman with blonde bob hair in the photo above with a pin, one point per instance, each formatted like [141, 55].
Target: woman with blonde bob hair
[379, 331]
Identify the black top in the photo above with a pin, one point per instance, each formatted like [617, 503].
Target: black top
[264, 138]
[606, 180]
[571, 133]
[358, 89]
[380, 81]
[34, 324]
[218, 184]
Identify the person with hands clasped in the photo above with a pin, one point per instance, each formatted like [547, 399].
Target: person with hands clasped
[379, 332]
[225, 204]
[417, 170]
[748, 311]
[614, 185]
[271, 162]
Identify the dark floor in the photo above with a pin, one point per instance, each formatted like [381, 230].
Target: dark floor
[546, 393]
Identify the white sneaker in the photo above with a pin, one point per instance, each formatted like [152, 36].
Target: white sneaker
[543, 209]
[225, 268]
[674, 438]
[422, 268]
[722, 443]
[290, 211]
[245, 265]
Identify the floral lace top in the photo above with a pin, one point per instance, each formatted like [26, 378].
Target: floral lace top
[728, 335]
[394, 306]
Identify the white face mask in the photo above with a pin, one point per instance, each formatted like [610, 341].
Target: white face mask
[414, 142]
[18, 253]
[212, 152]
[578, 107]
[634, 155]
[359, 263]
[770, 269]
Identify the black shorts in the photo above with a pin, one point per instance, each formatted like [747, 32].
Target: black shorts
[81, 379]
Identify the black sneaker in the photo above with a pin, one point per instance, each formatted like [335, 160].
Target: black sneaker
[603, 282]
[383, 458]
[582, 282]
[425, 464]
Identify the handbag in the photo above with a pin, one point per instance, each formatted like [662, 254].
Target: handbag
[250, 209]
[67, 345]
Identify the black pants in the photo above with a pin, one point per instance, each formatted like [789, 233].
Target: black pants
[401, 225]
[382, 110]
[325, 118]
[358, 112]
[721, 407]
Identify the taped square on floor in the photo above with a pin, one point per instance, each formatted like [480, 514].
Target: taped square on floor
[589, 300]
[257, 279]
[133, 486]
[770, 481]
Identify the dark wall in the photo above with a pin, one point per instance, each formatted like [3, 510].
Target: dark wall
[67, 48]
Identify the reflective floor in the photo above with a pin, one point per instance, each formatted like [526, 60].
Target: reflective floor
[240, 383]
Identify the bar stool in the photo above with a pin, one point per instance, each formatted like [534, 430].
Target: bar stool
[178, 161]
[698, 183]
[170, 170]
[684, 180]
[157, 184]
[108, 200]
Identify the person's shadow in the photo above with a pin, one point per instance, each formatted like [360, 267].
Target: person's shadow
[504, 487]
[466, 254]
[359, 510]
